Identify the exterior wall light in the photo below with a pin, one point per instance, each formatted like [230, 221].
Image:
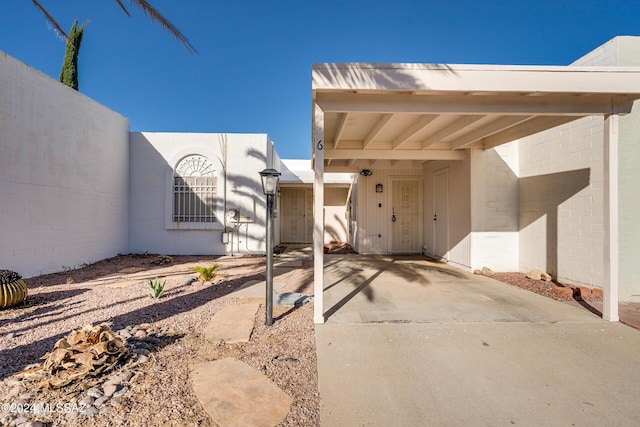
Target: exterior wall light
[269, 179]
[378, 188]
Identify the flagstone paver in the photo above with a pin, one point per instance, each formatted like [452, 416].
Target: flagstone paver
[235, 394]
[232, 324]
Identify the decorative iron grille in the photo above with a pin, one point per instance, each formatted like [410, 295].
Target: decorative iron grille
[194, 190]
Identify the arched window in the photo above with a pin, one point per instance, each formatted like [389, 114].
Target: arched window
[194, 190]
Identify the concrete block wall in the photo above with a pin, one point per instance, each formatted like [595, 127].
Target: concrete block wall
[153, 158]
[63, 174]
[494, 208]
[561, 191]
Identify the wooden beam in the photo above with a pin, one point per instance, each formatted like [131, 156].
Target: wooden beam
[489, 129]
[499, 103]
[452, 128]
[395, 154]
[342, 121]
[412, 130]
[379, 126]
[529, 127]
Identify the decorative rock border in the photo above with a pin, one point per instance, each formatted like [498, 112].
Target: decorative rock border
[104, 394]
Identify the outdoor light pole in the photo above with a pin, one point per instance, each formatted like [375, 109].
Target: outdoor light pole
[269, 187]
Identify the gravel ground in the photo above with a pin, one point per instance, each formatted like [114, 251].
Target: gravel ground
[165, 336]
[539, 286]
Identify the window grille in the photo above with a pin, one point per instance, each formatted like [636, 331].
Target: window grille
[194, 190]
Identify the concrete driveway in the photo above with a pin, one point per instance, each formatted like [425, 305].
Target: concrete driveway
[410, 342]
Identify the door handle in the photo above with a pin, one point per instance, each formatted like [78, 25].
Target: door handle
[435, 217]
[393, 215]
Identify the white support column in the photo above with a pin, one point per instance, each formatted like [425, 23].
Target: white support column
[318, 215]
[611, 246]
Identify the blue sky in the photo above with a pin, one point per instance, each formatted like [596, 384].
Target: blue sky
[252, 72]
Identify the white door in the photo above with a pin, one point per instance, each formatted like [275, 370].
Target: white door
[441, 214]
[406, 216]
[296, 215]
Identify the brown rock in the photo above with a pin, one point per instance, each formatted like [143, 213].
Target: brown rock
[477, 271]
[597, 292]
[563, 292]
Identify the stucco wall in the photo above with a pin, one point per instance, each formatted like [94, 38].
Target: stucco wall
[153, 159]
[561, 191]
[63, 174]
[335, 215]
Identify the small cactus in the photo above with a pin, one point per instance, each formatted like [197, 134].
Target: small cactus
[13, 290]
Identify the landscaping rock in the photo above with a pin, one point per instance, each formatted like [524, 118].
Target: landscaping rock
[87, 400]
[235, 394]
[94, 392]
[109, 389]
[100, 401]
[140, 334]
[535, 274]
[20, 420]
[90, 411]
[486, 271]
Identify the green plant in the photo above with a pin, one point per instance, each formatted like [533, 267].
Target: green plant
[69, 73]
[206, 274]
[156, 288]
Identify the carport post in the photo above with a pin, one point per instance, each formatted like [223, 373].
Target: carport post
[318, 215]
[611, 247]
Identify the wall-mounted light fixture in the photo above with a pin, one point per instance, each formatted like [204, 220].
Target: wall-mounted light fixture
[378, 188]
[366, 172]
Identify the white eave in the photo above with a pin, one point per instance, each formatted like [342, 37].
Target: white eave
[406, 114]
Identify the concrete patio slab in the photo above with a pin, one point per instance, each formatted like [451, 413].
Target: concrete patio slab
[235, 394]
[413, 289]
[410, 342]
[233, 324]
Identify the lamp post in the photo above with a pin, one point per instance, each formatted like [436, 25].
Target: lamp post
[270, 179]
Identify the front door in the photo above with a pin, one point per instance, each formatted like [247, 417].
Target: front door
[441, 214]
[406, 216]
[297, 218]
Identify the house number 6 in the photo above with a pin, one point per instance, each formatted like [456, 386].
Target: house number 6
[320, 146]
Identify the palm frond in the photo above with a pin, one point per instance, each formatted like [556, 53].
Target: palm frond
[154, 15]
[56, 27]
[124, 9]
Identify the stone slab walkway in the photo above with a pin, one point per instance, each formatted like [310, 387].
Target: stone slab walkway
[233, 324]
[235, 394]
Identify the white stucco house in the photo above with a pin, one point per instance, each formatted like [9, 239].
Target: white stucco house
[510, 167]
[82, 187]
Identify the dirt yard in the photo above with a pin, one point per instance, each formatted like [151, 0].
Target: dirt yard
[151, 388]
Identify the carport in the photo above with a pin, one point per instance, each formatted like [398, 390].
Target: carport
[407, 114]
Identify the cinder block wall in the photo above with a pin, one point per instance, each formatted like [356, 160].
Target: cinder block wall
[63, 174]
[561, 191]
